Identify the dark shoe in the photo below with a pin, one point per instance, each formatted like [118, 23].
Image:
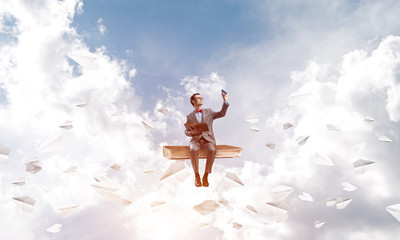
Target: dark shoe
[205, 182]
[197, 181]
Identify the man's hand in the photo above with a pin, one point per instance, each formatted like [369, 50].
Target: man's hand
[224, 97]
[196, 132]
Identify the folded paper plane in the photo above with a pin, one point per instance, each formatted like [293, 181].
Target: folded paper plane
[173, 169]
[206, 207]
[348, 187]
[237, 225]
[157, 203]
[223, 201]
[118, 112]
[253, 118]
[66, 209]
[116, 167]
[281, 192]
[330, 202]
[149, 171]
[51, 145]
[81, 104]
[55, 228]
[67, 125]
[251, 208]
[202, 225]
[4, 152]
[384, 139]
[318, 223]
[147, 125]
[332, 127]
[279, 211]
[341, 203]
[287, 125]
[361, 165]
[322, 159]
[369, 119]
[254, 129]
[232, 176]
[394, 210]
[71, 169]
[271, 145]
[306, 197]
[358, 147]
[32, 167]
[302, 140]
[163, 111]
[86, 59]
[26, 203]
[19, 182]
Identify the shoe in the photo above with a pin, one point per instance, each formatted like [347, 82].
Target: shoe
[197, 181]
[205, 182]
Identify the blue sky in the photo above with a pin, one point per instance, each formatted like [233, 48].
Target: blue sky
[316, 64]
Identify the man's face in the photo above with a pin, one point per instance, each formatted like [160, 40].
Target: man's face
[198, 100]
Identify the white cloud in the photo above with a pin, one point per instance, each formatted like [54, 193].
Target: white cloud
[209, 86]
[102, 28]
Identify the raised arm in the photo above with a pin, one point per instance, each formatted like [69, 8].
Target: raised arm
[224, 108]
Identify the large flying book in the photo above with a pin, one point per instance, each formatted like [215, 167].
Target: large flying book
[193, 126]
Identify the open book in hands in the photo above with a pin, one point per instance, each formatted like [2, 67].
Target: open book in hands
[202, 127]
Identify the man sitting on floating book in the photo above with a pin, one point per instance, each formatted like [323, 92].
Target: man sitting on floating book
[199, 127]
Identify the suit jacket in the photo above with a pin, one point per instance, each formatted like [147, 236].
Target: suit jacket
[208, 117]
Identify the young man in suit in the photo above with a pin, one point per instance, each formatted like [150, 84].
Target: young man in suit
[203, 139]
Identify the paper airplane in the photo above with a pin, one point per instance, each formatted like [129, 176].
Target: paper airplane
[271, 145]
[67, 125]
[26, 203]
[149, 171]
[302, 140]
[118, 113]
[232, 176]
[281, 192]
[81, 104]
[332, 127]
[330, 202]
[361, 165]
[318, 223]
[384, 139]
[71, 169]
[51, 145]
[163, 111]
[253, 118]
[202, 225]
[237, 225]
[126, 202]
[108, 189]
[174, 168]
[4, 152]
[369, 120]
[287, 125]
[147, 125]
[254, 129]
[223, 201]
[66, 209]
[278, 210]
[157, 203]
[116, 167]
[306, 197]
[358, 147]
[206, 207]
[19, 182]
[348, 187]
[55, 228]
[32, 167]
[87, 60]
[322, 159]
[251, 208]
[394, 210]
[342, 202]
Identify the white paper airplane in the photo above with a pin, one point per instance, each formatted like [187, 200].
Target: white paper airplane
[332, 127]
[279, 211]
[252, 118]
[86, 59]
[306, 197]
[251, 208]
[384, 139]
[71, 169]
[163, 111]
[341, 203]
[330, 202]
[281, 192]
[4, 153]
[149, 171]
[369, 120]
[318, 223]
[126, 202]
[66, 209]
[322, 159]
[254, 129]
[394, 210]
[287, 125]
[147, 125]
[271, 145]
[202, 225]
[81, 104]
[232, 176]
[173, 169]
[67, 125]
[32, 167]
[206, 207]
[55, 228]
[157, 203]
[223, 201]
[19, 182]
[237, 225]
[348, 187]
[361, 165]
[26, 203]
[51, 145]
[359, 147]
[118, 112]
[116, 167]
[302, 140]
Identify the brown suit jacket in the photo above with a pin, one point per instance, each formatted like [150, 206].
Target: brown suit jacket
[208, 117]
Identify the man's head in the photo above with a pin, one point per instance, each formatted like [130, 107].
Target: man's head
[196, 100]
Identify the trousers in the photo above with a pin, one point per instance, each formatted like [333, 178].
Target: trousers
[194, 154]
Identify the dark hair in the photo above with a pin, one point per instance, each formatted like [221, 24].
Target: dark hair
[192, 98]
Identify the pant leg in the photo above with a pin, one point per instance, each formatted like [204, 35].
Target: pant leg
[210, 148]
[194, 155]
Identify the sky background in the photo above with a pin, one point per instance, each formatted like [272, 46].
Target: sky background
[311, 63]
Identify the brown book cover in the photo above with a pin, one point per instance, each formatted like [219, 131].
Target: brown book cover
[192, 126]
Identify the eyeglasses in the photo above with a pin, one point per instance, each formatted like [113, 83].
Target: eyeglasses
[198, 98]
